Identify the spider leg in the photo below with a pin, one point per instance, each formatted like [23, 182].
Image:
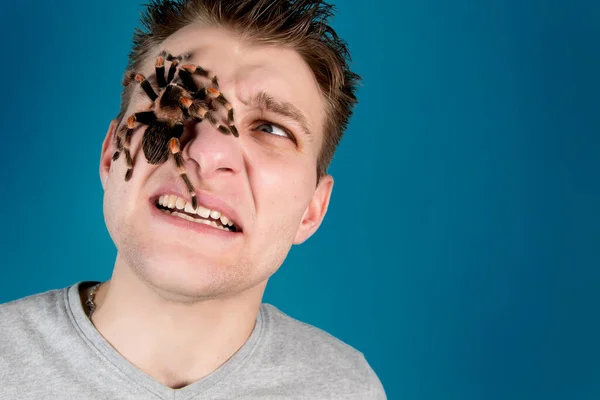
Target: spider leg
[144, 117]
[127, 78]
[160, 71]
[216, 94]
[146, 86]
[188, 81]
[175, 148]
[126, 147]
[200, 94]
[198, 110]
[119, 146]
[197, 70]
[172, 70]
[127, 132]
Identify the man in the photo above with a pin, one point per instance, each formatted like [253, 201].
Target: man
[181, 316]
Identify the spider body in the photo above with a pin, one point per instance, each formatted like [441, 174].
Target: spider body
[179, 99]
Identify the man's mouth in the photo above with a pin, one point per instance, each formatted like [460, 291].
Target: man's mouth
[178, 207]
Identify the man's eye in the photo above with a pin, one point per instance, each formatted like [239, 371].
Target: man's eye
[274, 129]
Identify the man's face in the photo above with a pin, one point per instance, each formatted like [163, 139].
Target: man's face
[263, 180]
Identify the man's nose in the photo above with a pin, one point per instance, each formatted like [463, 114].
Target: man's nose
[214, 152]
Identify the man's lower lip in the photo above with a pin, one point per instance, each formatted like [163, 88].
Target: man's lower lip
[201, 228]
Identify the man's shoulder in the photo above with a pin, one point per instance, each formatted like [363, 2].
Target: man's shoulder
[30, 311]
[301, 336]
[304, 347]
[29, 327]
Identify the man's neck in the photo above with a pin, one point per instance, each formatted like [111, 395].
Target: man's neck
[175, 343]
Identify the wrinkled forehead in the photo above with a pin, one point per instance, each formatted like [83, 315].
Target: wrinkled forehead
[244, 68]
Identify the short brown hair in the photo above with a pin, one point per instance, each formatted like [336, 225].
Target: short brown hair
[299, 24]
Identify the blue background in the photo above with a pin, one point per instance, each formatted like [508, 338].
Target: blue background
[461, 249]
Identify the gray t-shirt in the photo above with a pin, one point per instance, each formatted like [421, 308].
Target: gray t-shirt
[49, 349]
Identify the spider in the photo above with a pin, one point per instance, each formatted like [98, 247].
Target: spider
[177, 101]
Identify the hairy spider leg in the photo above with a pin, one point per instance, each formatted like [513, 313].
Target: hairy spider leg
[175, 148]
[160, 71]
[119, 144]
[211, 94]
[127, 132]
[171, 57]
[126, 147]
[198, 70]
[146, 86]
[187, 81]
[172, 70]
[143, 117]
[214, 93]
[199, 111]
[127, 78]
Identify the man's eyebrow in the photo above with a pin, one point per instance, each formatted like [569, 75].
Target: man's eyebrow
[264, 101]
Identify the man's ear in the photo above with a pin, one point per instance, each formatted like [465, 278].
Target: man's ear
[316, 210]
[108, 149]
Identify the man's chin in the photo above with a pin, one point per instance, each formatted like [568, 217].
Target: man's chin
[185, 280]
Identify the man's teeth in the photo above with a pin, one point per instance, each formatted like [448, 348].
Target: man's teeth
[197, 220]
[177, 203]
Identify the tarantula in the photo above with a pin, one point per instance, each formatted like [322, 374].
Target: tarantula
[178, 100]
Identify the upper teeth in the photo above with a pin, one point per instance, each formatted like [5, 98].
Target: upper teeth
[172, 201]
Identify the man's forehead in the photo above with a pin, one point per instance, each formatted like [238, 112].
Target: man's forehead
[232, 58]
